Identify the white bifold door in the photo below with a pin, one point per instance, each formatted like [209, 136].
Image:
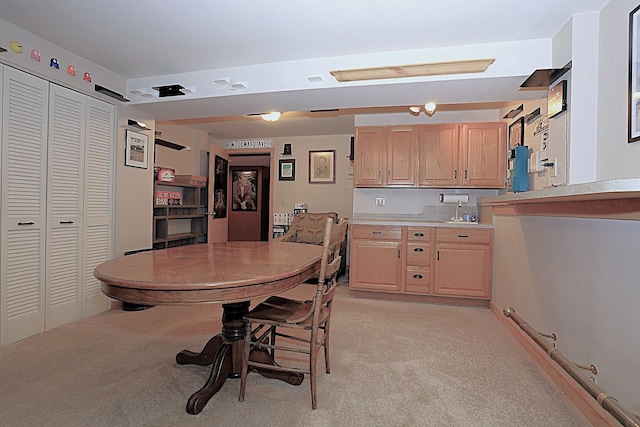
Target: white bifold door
[56, 204]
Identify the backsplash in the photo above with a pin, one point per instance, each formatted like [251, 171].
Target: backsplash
[423, 203]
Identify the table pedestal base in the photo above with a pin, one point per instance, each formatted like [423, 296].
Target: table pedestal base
[224, 352]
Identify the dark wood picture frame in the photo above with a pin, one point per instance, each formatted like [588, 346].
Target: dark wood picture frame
[220, 187]
[633, 116]
[322, 166]
[287, 170]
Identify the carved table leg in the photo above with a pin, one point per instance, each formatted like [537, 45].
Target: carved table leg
[224, 352]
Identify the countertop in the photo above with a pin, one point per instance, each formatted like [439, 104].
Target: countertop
[411, 221]
[610, 199]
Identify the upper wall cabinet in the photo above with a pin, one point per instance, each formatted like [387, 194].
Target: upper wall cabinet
[385, 156]
[471, 155]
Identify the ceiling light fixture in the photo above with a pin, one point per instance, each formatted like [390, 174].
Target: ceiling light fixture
[429, 109]
[415, 70]
[274, 116]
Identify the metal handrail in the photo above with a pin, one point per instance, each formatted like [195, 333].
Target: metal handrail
[609, 403]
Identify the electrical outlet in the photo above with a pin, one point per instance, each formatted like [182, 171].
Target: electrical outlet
[380, 201]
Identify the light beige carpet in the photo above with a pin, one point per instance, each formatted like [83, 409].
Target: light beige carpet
[393, 364]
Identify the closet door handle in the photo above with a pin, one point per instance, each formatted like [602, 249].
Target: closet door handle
[26, 223]
[66, 222]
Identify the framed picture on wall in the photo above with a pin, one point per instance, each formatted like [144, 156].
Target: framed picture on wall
[287, 170]
[136, 149]
[220, 188]
[634, 76]
[322, 167]
[244, 192]
[516, 133]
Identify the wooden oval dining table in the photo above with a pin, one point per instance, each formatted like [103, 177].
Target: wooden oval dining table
[230, 273]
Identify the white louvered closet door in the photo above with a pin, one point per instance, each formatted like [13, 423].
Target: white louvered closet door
[65, 182]
[22, 226]
[100, 143]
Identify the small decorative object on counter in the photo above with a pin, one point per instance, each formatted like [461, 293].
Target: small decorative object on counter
[474, 216]
[466, 217]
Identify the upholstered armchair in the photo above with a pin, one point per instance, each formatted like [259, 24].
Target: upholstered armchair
[308, 228]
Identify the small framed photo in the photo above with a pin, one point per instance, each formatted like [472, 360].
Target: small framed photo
[516, 133]
[136, 149]
[322, 167]
[287, 170]
[634, 76]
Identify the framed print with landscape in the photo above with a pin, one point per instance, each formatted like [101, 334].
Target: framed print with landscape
[322, 167]
[287, 170]
[634, 77]
[136, 149]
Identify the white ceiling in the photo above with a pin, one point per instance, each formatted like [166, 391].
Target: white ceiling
[146, 38]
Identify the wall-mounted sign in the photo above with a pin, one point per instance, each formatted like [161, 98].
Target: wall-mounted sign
[252, 143]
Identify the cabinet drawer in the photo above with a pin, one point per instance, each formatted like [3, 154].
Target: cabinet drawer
[418, 281]
[376, 232]
[418, 254]
[469, 235]
[419, 234]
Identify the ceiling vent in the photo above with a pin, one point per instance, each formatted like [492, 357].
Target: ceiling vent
[170, 90]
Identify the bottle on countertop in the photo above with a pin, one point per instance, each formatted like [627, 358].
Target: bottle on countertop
[466, 216]
[474, 216]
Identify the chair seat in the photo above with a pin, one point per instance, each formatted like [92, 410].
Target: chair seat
[278, 310]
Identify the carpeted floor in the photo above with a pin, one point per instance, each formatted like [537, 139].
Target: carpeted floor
[393, 364]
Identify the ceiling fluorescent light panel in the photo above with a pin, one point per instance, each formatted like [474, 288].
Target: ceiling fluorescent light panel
[415, 70]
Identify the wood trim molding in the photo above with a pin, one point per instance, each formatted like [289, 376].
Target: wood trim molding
[589, 407]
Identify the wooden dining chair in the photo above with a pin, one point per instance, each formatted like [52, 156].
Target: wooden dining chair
[265, 322]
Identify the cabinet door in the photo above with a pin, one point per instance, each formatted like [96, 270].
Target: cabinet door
[375, 265]
[484, 155]
[369, 156]
[438, 155]
[401, 159]
[462, 270]
[23, 205]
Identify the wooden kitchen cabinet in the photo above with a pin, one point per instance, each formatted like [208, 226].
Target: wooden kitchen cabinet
[419, 260]
[438, 152]
[463, 262]
[385, 156]
[471, 155]
[375, 258]
[483, 152]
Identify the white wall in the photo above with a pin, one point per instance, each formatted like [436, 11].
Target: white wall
[187, 161]
[579, 277]
[616, 157]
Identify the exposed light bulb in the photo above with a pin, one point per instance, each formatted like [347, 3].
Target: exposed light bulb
[271, 117]
[430, 107]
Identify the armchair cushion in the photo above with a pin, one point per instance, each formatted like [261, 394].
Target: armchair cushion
[308, 228]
